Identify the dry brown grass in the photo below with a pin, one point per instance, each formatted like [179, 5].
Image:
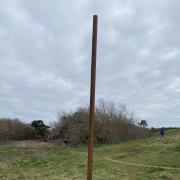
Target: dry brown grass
[30, 144]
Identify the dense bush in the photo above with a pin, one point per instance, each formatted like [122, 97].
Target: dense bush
[112, 124]
[14, 129]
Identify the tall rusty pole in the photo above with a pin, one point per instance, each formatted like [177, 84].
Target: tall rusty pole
[92, 99]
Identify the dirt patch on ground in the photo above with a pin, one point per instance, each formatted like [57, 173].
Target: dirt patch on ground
[140, 164]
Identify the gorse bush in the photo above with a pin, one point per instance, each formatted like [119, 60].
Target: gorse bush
[113, 123]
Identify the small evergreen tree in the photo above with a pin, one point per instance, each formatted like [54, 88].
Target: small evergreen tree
[143, 123]
[41, 128]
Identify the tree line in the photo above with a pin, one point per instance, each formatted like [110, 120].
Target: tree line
[14, 129]
[113, 124]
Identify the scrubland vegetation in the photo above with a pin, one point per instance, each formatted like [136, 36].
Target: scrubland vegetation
[14, 129]
[123, 150]
[148, 158]
[113, 124]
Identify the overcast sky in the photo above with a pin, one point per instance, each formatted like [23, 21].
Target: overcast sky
[45, 54]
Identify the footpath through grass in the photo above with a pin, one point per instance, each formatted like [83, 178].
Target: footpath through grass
[110, 161]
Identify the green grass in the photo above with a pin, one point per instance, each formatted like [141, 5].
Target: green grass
[61, 164]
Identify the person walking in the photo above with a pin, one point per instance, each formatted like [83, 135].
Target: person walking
[162, 133]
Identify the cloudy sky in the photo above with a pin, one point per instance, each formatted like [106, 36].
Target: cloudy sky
[45, 54]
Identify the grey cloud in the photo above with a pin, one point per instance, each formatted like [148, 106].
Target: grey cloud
[45, 52]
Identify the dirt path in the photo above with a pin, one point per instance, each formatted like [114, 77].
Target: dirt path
[143, 165]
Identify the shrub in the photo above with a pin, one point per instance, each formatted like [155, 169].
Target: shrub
[14, 129]
[112, 124]
[41, 128]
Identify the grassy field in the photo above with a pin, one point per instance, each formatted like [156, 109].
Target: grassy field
[149, 158]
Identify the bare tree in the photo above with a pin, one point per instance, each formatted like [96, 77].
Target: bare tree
[113, 123]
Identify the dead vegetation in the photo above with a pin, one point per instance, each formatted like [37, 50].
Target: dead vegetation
[113, 124]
